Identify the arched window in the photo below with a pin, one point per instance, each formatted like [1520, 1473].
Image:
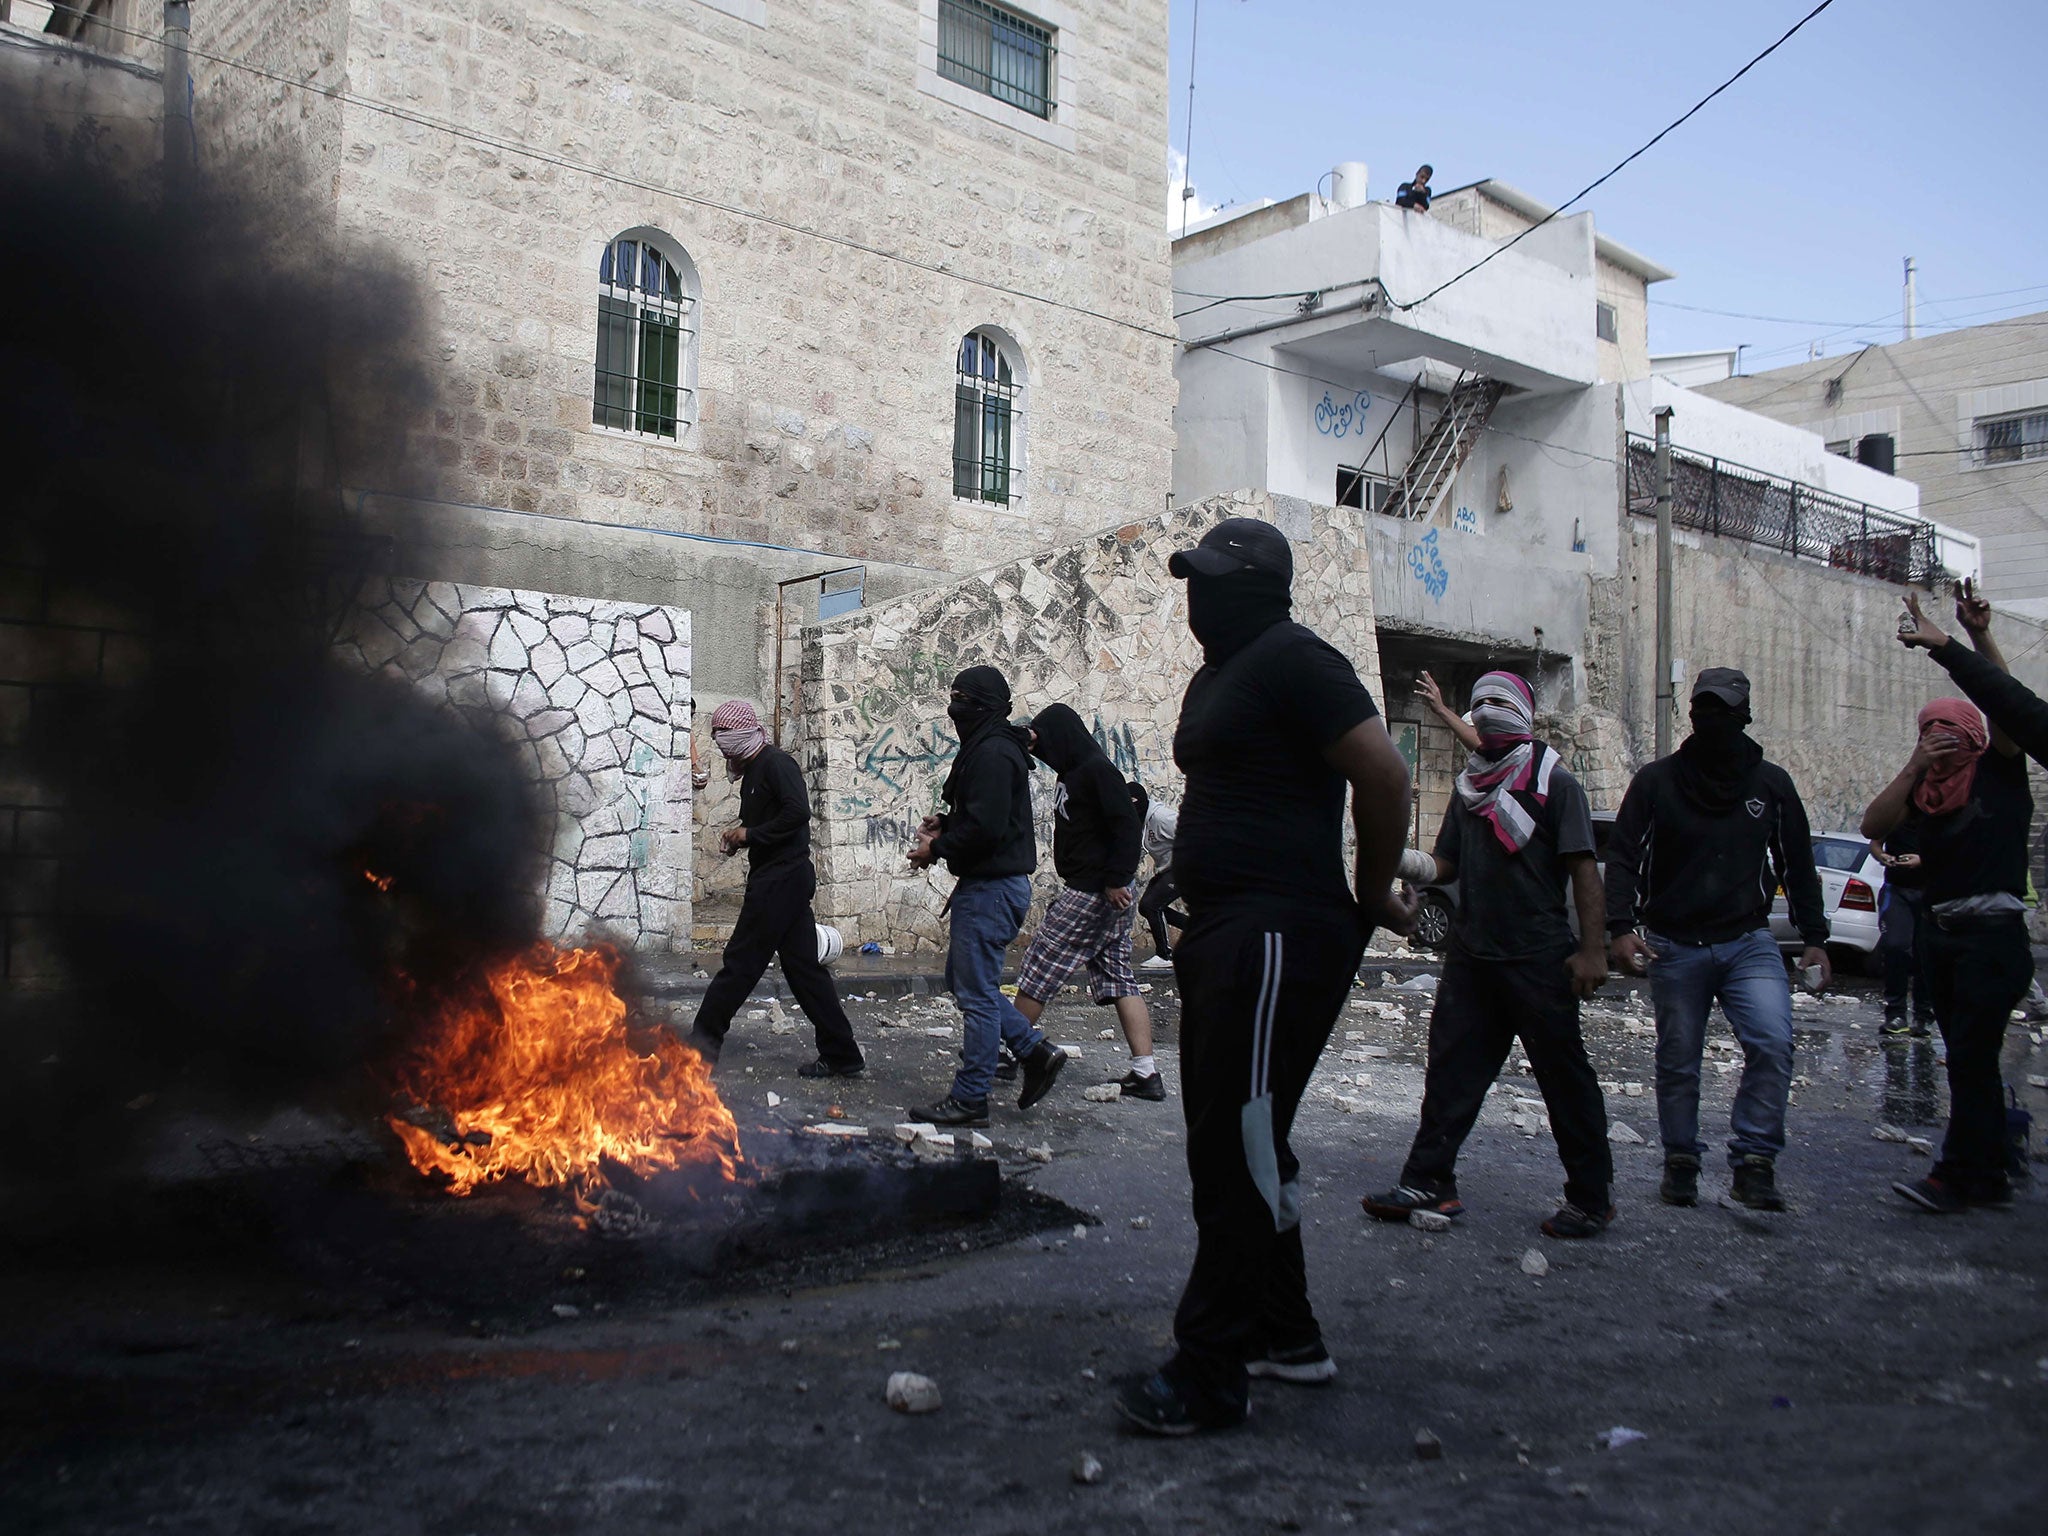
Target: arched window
[646, 338]
[987, 402]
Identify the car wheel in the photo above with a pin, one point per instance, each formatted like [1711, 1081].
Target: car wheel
[1432, 921]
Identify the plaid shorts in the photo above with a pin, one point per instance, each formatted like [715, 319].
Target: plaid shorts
[1081, 928]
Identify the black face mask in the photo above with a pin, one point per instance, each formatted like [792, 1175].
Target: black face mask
[966, 714]
[1716, 762]
[1227, 613]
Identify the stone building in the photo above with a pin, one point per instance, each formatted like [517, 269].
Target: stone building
[1964, 416]
[726, 294]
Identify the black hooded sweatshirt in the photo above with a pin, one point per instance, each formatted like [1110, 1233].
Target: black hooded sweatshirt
[986, 832]
[1096, 829]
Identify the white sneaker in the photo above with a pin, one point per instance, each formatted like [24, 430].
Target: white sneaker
[1156, 963]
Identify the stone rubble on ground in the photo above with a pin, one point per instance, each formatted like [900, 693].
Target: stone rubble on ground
[1887, 1133]
[1427, 1446]
[1102, 1093]
[1087, 1469]
[1429, 1221]
[1039, 1154]
[1614, 1439]
[1534, 1264]
[835, 1128]
[1625, 1135]
[909, 1392]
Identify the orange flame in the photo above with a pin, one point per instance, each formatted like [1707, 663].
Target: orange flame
[539, 1082]
[382, 882]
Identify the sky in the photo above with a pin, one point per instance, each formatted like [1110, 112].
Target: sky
[1882, 130]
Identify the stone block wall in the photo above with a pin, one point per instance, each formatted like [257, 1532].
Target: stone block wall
[1098, 625]
[825, 370]
[601, 693]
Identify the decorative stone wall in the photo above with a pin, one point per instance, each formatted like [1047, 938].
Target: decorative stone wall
[1099, 626]
[601, 691]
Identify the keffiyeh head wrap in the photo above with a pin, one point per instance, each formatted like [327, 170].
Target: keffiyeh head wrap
[1946, 786]
[736, 732]
[1508, 759]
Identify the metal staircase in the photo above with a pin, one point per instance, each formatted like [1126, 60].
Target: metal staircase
[1423, 484]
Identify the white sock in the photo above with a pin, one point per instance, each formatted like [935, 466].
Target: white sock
[1142, 1065]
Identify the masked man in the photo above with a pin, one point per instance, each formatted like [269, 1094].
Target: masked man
[775, 915]
[1692, 857]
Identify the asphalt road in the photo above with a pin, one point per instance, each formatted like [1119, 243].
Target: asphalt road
[1851, 1365]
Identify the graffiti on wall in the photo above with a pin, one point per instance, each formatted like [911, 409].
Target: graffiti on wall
[1465, 520]
[1426, 562]
[1345, 418]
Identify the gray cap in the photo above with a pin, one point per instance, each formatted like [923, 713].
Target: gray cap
[1724, 683]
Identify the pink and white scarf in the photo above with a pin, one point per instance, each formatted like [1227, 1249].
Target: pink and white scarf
[1509, 759]
[736, 732]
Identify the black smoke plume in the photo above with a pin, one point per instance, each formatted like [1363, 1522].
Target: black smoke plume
[222, 844]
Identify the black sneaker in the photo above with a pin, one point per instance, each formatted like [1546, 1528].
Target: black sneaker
[1570, 1221]
[1932, 1195]
[707, 1046]
[1006, 1067]
[950, 1111]
[1681, 1184]
[1402, 1200]
[1921, 1028]
[1143, 1086]
[823, 1068]
[1895, 1026]
[1756, 1184]
[1158, 1407]
[1989, 1197]
[1041, 1066]
[1306, 1365]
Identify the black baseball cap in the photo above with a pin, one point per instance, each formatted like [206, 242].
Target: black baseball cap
[1236, 544]
[1724, 683]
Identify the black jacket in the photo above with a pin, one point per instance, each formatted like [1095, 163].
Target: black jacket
[1702, 878]
[775, 808]
[1096, 829]
[986, 833]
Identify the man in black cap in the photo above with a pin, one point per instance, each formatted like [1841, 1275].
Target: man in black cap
[1272, 730]
[1702, 840]
[986, 839]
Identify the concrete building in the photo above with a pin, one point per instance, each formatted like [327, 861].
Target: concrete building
[1495, 420]
[1964, 415]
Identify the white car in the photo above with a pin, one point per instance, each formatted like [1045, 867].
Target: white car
[1851, 888]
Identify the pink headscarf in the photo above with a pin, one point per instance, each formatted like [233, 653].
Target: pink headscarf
[736, 732]
[1946, 786]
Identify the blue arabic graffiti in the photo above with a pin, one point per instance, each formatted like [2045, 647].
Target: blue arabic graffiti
[1334, 420]
[1427, 562]
[889, 757]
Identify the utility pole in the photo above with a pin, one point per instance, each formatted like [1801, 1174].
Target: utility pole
[1664, 700]
[178, 145]
[1911, 271]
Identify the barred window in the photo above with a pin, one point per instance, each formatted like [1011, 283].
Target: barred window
[2010, 439]
[646, 340]
[999, 53]
[985, 410]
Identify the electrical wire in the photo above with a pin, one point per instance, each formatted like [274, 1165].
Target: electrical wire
[561, 162]
[1620, 164]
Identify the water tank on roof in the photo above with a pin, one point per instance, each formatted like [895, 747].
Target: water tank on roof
[1877, 450]
[1347, 184]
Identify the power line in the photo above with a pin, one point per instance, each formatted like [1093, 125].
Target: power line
[1187, 154]
[1621, 164]
[515, 147]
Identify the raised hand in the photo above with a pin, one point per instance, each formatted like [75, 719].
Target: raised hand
[1915, 628]
[1972, 612]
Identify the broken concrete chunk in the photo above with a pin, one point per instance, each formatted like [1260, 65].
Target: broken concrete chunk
[1039, 1154]
[1626, 1135]
[775, 1013]
[909, 1130]
[1883, 1132]
[1102, 1093]
[1614, 1439]
[1921, 1145]
[1427, 1446]
[1087, 1469]
[1349, 1104]
[979, 1142]
[1429, 1221]
[1534, 1264]
[1140, 1223]
[909, 1392]
[774, 1099]
[757, 1014]
[835, 1128]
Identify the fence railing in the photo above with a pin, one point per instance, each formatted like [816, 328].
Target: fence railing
[1736, 501]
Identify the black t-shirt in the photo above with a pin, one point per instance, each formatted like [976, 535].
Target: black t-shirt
[1511, 906]
[1901, 840]
[1980, 846]
[775, 808]
[1263, 815]
[1409, 195]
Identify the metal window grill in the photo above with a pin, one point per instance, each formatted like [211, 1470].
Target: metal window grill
[998, 53]
[2012, 439]
[1734, 501]
[645, 321]
[985, 415]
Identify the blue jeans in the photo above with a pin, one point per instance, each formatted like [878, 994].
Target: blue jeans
[987, 915]
[1747, 975]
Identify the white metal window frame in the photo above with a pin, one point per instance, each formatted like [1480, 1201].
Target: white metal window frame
[1020, 431]
[1058, 130]
[2002, 402]
[690, 329]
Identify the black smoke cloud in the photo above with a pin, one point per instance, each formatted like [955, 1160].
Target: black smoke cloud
[182, 393]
